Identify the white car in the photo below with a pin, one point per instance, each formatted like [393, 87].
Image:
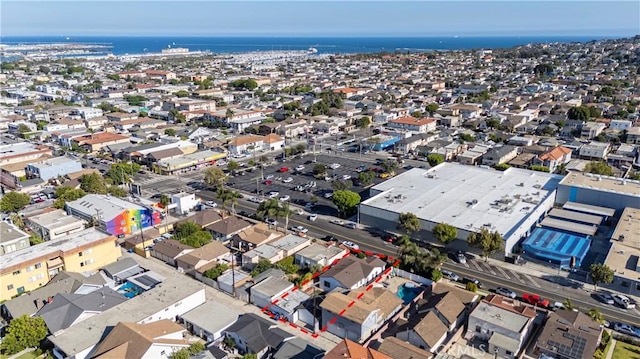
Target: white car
[351, 245]
[298, 211]
[351, 225]
[256, 200]
[273, 194]
[623, 301]
[313, 217]
[299, 168]
[450, 275]
[271, 222]
[300, 229]
[211, 204]
[269, 177]
[462, 259]
[334, 166]
[336, 221]
[346, 177]
[287, 180]
[285, 198]
[328, 195]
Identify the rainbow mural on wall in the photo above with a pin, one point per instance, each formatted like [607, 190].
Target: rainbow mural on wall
[129, 221]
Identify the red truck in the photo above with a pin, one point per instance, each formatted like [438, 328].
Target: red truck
[536, 300]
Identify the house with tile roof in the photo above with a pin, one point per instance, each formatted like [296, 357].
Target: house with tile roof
[351, 273]
[348, 349]
[212, 252]
[357, 321]
[553, 158]
[140, 341]
[400, 349]
[409, 123]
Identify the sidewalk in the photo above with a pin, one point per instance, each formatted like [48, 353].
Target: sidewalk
[611, 348]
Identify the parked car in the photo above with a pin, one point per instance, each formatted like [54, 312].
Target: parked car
[466, 280]
[211, 204]
[351, 245]
[285, 198]
[328, 195]
[623, 301]
[299, 168]
[256, 200]
[462, 259]
[334, 166]
[330, 239]
[271, 222]
[604, 297]
[625, 329]
[283, 169]
[313, 217]
[346, 177]
[351, 225]
[273, 194]
[390, 238]
[288, 180]
[336, 221]
[450, 275]
[506, 292]
[536, 300]
[300, 229]
[269, 177]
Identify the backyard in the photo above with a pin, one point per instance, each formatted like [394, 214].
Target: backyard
[626, 351]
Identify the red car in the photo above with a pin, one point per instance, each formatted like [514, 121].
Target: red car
[536, 300]
[283, 169]
[389, 238]
[268, 182]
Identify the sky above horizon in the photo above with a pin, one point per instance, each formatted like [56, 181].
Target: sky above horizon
[318, 18]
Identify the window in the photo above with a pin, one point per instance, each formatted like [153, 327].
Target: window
[509, 353]
[88, 251]
[478, 329]
[16, 272]
[81, 264]
[80, 254]
[10, 287]
[327, 284]
[30, 268]
[39, 265]
[40, 276]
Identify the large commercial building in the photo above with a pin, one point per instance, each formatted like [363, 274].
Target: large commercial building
[624, 255]
[29, 268]
[114, 215]
[466, 197]
[597, 190]
[55, 224]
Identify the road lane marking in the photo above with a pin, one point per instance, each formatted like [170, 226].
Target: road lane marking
[503, 272]
[477, 266]
[488, 267]
[515, 275]
[532, 280]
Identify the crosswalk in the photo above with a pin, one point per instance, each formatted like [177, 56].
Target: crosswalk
[506, 273]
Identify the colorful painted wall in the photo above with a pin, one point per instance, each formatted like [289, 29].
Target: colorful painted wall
[128, 221]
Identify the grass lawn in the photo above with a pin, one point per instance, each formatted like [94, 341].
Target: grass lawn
[29, 355]
[626, 351]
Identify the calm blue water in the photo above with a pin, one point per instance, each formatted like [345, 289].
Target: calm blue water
[136, 45]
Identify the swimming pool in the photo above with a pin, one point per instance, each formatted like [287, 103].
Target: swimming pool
[408, 292]
[129, 290]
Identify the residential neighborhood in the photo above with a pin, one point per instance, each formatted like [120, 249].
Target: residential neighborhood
[441, 204]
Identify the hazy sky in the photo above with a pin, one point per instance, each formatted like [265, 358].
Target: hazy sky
[329, 18]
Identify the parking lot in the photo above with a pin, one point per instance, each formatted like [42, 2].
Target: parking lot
[285, 183]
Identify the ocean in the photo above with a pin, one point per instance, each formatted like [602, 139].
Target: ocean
[139, 45]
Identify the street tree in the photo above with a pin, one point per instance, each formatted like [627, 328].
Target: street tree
[121, 173]
[363, 122]
[319, 170]
[600, 273]
[598, 167]
[445, 233]
[346, 201]
[595, 314]
[366, 177]
[215, 177]
[66, 194]
[14, 201]
[233, 166]
[117, 191]
[22, 333]
[228, 196]
[435, 159]
[488, 242]
[409, 222]
[338, 185]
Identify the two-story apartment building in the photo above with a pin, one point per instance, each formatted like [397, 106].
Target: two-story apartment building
[595, 150]
[499, 155]
[503, 323]
[53, 168]
[591, 130]
[409, 123]
[55, 224]
[29, 268]
[553, 158]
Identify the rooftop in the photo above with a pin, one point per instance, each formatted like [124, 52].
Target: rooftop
[289, 242]
[272, 286]
[55, 161]
[10, 233]
[466, 197]
[108, 206]
[211, 316]
[624, 255]
[318, 252]
[603, 183]
[54, 219]
[62, 244]
[501, 317]
[89, 332]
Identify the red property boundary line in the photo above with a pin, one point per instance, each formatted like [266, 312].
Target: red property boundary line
[315, 275]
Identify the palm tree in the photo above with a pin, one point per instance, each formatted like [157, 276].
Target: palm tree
[435, 259]
[594, 313]
[229, 196]
[285, 211]
[271, 208]
[165, 201]
[568, 305]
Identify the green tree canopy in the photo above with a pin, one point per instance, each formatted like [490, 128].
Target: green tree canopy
[581, 113]
[197, 239]
[14, 201]
[245, 84]
[600, 273]
[445, 233]
[262, 266]
[186, 229]
[93, 183]
[121, 173]
[488, 242]
[319, 170]
[23, 332]
[431, 108]
[409, 222]
[215, 177]
[216, 271]
[233, 166]
[180, 354]
[66, 194]
[363, 122]
[117, 191]
[598, 167]
[182, 93]
[345, 200]
[435, 159]
[170, 132]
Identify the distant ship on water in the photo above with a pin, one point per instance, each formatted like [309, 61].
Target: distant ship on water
[312, 50]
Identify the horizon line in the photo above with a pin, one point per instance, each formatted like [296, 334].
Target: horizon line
[262, 35]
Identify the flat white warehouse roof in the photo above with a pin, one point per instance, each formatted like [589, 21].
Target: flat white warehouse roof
[466, 197]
